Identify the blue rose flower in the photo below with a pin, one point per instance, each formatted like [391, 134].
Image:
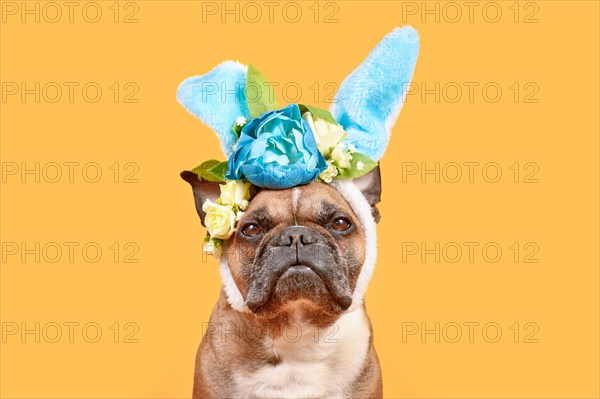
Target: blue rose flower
[276, 150]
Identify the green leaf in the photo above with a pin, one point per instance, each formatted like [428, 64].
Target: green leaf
[318, 113]
[352, 172]
[202, 169]
[219, 170]
[260, 94]
[211, 170]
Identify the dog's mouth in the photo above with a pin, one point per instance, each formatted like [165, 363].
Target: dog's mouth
[297, 268]
[303, 279]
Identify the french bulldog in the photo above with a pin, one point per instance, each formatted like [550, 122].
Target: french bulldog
[290, 321]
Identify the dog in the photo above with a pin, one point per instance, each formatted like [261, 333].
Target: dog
[296, 259]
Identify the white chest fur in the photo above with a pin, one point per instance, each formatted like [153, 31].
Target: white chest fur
[313, 363]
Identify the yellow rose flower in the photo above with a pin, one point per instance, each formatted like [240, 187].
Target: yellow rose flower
[328, 174]
[327, 134]
[219, 220]
[341, 156]
[243, 205]
[235, 193]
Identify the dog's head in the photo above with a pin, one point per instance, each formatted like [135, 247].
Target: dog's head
[303, 246]
[297, 244]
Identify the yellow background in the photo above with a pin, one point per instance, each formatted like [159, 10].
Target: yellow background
[170, 292]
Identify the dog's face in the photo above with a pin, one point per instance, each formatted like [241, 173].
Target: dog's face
[303, 243]
[299, 247]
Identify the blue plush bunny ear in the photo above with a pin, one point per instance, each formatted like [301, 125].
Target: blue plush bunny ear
[217, 98]
[369, 100]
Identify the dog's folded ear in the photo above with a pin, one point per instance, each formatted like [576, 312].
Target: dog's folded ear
[203, 190]
[370, 186]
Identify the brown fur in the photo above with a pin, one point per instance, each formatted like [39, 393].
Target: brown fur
[220, 355]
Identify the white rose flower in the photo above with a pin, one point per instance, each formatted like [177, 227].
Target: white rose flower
[326, 134]
[219, 220]
[240, 121]
[328, 174]
[211, 249]
[341, 156]
[235, 193]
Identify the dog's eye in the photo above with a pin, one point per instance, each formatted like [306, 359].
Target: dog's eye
[251, 230]
[341, 224]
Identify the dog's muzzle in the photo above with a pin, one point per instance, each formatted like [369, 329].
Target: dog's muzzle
[298, 246]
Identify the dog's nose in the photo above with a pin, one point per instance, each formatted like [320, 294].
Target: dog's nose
[295, 236]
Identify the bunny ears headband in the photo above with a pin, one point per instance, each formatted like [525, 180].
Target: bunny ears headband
[278, 148]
